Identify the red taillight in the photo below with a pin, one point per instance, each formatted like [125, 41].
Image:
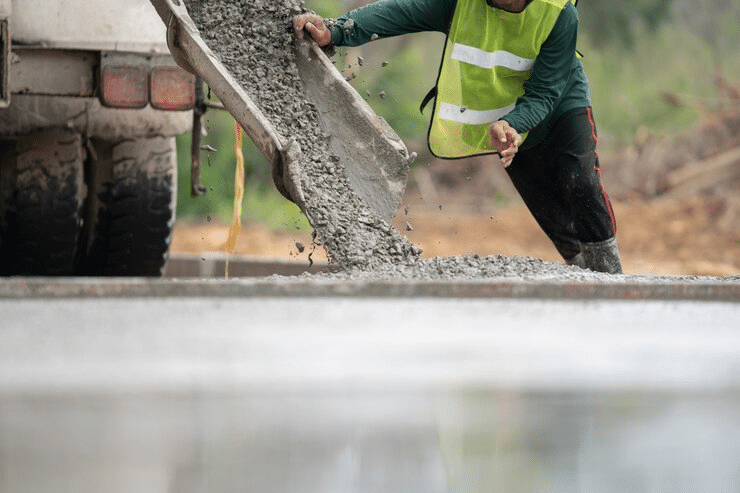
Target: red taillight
[172, 88]
[125, 86]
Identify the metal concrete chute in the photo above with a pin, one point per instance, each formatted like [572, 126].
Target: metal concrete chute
[374, 157]
[191, 52]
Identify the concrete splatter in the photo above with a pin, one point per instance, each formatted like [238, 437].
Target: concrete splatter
[254, 41]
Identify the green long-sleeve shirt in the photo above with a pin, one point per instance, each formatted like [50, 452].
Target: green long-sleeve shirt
[557, 84]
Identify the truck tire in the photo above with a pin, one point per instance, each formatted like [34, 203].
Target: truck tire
[42, 192]
[131, 207]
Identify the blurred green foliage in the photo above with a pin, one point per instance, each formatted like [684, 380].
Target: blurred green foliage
[609, 22]
[651, 65]
[262, 202]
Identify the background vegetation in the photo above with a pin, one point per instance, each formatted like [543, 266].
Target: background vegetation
[653, 66]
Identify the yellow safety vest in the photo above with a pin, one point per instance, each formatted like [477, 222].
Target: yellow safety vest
[488, 56]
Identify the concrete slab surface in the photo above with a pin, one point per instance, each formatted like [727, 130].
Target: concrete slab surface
[664, 288]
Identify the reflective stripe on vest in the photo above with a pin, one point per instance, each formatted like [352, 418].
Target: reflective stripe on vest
[488, 56]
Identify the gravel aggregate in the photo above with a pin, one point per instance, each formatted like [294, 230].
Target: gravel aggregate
[254, 41]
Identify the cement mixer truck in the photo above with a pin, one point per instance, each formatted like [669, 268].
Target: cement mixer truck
[92, 95]
[90, 103]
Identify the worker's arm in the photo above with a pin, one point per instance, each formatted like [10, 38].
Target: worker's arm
[387, 18]
[381, 19]
[550, 75]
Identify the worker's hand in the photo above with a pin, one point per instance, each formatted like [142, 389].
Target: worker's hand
[314, 25]
[506, 140]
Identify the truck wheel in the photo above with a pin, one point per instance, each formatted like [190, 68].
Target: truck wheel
[42, 192]
[131, 207]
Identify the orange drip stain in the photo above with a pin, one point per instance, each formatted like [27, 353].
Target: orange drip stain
[236, 222]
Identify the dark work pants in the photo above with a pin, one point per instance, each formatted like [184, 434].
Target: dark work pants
[560, 182]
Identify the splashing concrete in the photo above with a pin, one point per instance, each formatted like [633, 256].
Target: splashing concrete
[254, 41]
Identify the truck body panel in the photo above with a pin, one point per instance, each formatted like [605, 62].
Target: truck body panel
[127, 25]
[89, 117]
[55, 57]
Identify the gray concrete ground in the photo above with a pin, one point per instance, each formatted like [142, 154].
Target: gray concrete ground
[303, 385]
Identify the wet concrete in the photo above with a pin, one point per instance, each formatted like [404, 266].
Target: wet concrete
[360, 394]
[150, 341]
[254, 41]
[471, 440]
[332, 285]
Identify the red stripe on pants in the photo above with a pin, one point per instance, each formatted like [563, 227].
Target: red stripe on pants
[598, 170]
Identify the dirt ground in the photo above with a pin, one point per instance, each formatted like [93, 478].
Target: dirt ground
[658, 237]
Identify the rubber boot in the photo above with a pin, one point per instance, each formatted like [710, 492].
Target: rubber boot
[577, 261]
[601, 256]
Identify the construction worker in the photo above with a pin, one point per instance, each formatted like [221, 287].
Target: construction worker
[511, 83]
